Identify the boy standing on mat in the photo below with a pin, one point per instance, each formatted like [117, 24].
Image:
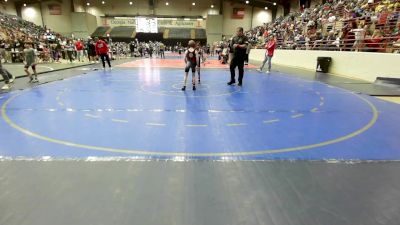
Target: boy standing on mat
[191, 63]
[30, 61]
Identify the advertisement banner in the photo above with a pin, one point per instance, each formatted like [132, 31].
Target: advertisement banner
[238, 13]
[119, 21]
[169, 23]
[160, 22]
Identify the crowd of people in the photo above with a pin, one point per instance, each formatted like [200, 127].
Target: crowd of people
[346, 25]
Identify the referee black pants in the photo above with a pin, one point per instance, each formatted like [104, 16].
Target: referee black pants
[237, 62]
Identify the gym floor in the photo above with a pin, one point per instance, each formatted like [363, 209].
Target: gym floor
[128, 142]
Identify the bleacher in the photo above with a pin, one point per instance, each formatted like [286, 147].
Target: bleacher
[123, 32]
[126, 33]
[346, 25]
[179, 33]
[101, 31]
[200, 34]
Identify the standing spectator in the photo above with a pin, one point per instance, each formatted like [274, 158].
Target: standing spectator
[7, 77]
[132, 48]
[359, 37]
[162, 50]
[3, 51]
[191, 63]
[180, 49]
[30, 61]
[53, 52]
[70, 50]
[7, 47]
[239, 44]
[151, 49]
[348, 35]
[140, 48]
[212, 51]
[102, 51]
[79, 49]
[374, 42]
[270, 48]
[200, 55]
[85, 48]
[92, 51]
[246, 59]
[58, 51]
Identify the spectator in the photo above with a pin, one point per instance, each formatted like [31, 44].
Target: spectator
[92, 51]
[270, 48]
[79, 47]
[30, 61]
[69, 46]
[7, 77]
[102, 51]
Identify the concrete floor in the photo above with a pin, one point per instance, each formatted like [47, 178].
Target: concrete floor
[199, 193]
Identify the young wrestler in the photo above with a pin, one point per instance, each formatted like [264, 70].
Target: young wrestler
[191, 63]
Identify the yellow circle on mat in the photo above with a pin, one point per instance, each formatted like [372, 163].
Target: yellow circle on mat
[371, 122]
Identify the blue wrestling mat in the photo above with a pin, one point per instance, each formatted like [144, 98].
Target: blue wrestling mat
[142, 113]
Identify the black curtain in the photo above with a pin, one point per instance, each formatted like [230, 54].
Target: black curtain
[149, 37]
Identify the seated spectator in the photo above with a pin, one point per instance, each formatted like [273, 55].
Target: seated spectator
[373, 43]
[396, 45]
[329, 41]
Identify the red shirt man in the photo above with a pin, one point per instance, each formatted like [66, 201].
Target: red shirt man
[102, 50]
[101, 47]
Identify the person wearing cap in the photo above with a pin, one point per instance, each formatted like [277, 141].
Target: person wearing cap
[269, 53]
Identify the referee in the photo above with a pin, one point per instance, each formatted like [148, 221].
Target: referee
[239, 46]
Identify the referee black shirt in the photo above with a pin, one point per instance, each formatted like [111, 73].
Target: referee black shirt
[239, 52]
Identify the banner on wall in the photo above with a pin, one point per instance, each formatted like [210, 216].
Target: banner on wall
[119, 21]
[54, 9]
[161, 22]
[238, 13]
[168, 23]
